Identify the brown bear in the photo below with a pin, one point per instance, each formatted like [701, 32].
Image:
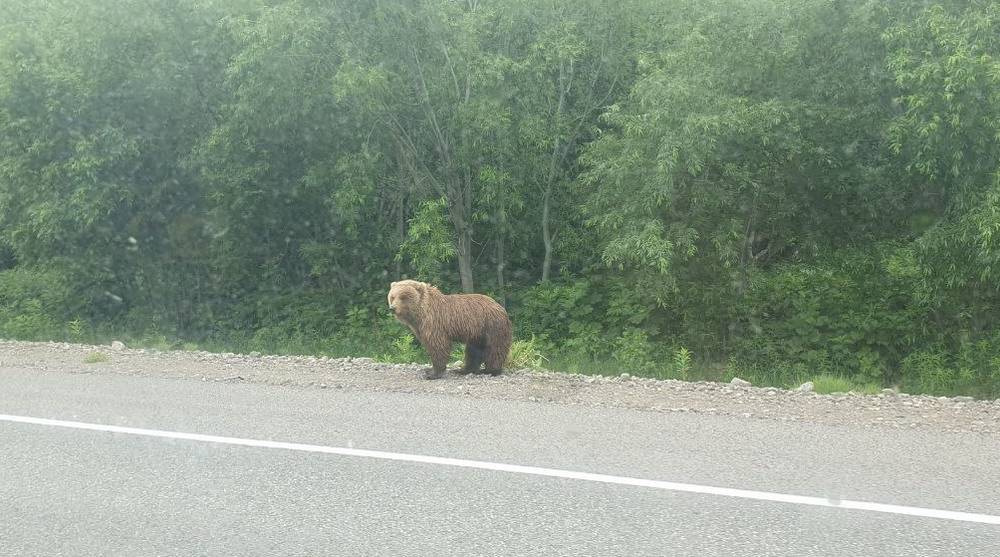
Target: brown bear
[439, 319]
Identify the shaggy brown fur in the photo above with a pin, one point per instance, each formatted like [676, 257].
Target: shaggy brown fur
[439, 319]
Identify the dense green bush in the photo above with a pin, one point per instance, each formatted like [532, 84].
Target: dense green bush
[973, 369]
[37, 305]
[866, 317]
[850, 314]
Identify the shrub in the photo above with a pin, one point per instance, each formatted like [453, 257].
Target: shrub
[850, 314]
[633, 352]
[525, 354]
[34, 304]
[682, 363]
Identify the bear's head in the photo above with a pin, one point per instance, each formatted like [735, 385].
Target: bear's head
[406, 299]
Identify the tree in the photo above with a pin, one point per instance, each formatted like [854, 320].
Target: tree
[429, 77]
[97, 112]
[947, 63]
[741, 146]
[577, 58]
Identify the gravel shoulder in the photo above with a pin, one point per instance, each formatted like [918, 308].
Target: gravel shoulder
[892, 411]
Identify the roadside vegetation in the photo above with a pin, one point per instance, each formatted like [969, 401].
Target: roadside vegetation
[776, 190]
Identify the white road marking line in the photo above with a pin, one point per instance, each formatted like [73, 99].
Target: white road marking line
[518, 469]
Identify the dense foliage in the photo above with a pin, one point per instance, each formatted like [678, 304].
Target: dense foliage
[771, 188]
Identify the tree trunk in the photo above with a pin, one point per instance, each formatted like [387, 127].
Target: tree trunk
[400, 232]
[546, 235]
[564, 88]
[501, 230]
[465, 258]
[402, 181]
[460, 213]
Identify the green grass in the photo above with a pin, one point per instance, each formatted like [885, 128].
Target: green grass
[681, 368]
[826, 384]
[95, 358]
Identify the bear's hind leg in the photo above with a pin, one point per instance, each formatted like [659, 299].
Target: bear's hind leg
[474, 354]
[496, 355]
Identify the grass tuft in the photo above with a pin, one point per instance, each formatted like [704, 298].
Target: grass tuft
[524, 354]
[826, 384]
[95, 358]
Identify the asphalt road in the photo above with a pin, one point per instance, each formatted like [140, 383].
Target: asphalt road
[73, 492]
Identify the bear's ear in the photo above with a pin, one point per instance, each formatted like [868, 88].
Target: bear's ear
[392, 284]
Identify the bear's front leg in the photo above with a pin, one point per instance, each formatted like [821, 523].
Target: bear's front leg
[437, 369]
[439, 351]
